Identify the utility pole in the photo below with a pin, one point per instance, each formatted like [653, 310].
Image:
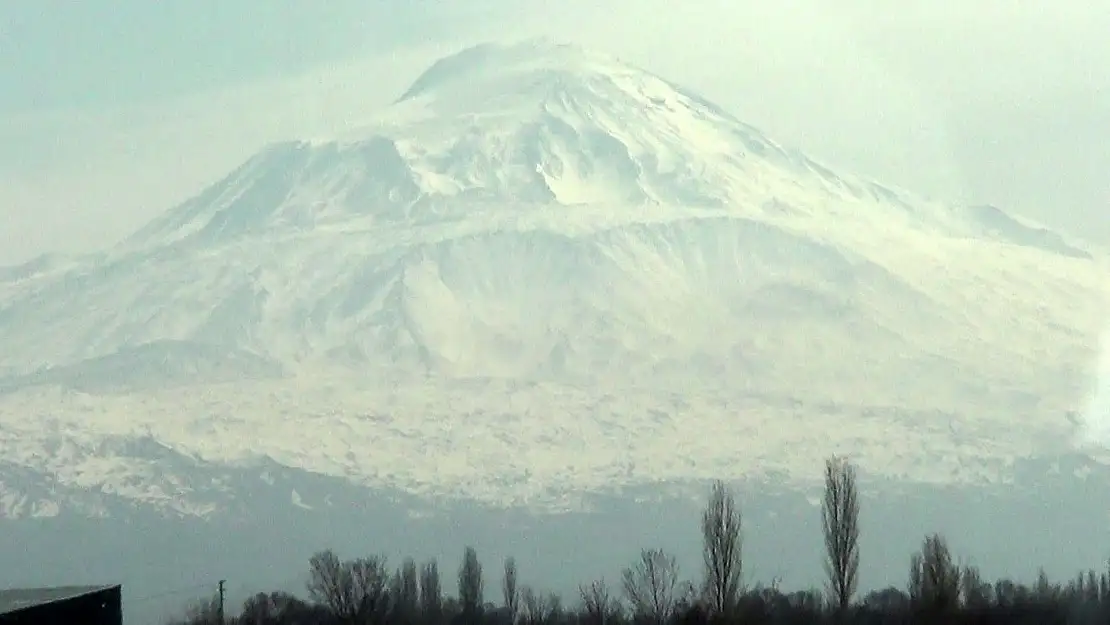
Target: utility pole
[220, 609]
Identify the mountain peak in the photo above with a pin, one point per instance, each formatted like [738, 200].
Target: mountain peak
[505, 128]
[522, 124]
[534, 76]
[523, 66]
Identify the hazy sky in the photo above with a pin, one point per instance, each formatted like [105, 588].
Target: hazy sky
[112, 111]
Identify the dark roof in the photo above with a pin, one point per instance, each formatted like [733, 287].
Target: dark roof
[17, 599]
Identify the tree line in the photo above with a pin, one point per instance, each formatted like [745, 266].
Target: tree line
[652, 590]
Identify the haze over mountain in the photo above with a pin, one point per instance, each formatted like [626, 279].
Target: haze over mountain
[591, 276]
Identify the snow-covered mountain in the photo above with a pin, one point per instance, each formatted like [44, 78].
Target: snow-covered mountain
[542, 271]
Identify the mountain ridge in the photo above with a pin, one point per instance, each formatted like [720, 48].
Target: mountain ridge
[591, 283]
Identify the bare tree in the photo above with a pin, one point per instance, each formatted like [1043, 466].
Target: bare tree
[650, 586]
[840, 522]
[531, 612]
[1092, 586]
[276, 608]
[975, 592]
[353, 590]
[1045, 591]
[934, 577]
[260, 609]
[202, 612]
[722, 550]
[330, 584]
[404, 592]
[431, 593]
[538, 609]
[889, 600]
[599, 607]
[470, 585]
[509, 590]
[371, 587]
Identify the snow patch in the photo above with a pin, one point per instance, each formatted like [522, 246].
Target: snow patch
[296, 500]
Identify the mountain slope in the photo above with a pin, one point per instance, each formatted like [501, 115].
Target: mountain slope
[538, 233]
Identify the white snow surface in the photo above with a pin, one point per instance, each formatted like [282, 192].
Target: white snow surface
[544, 272]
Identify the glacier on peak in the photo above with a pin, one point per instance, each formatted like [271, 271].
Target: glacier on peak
[507, 68]
[528, 124]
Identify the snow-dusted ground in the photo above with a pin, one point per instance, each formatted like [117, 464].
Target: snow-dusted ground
[506, 442]
[544, 272]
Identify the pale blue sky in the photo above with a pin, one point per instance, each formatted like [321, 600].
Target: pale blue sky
[112, 111]
[64, 54]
